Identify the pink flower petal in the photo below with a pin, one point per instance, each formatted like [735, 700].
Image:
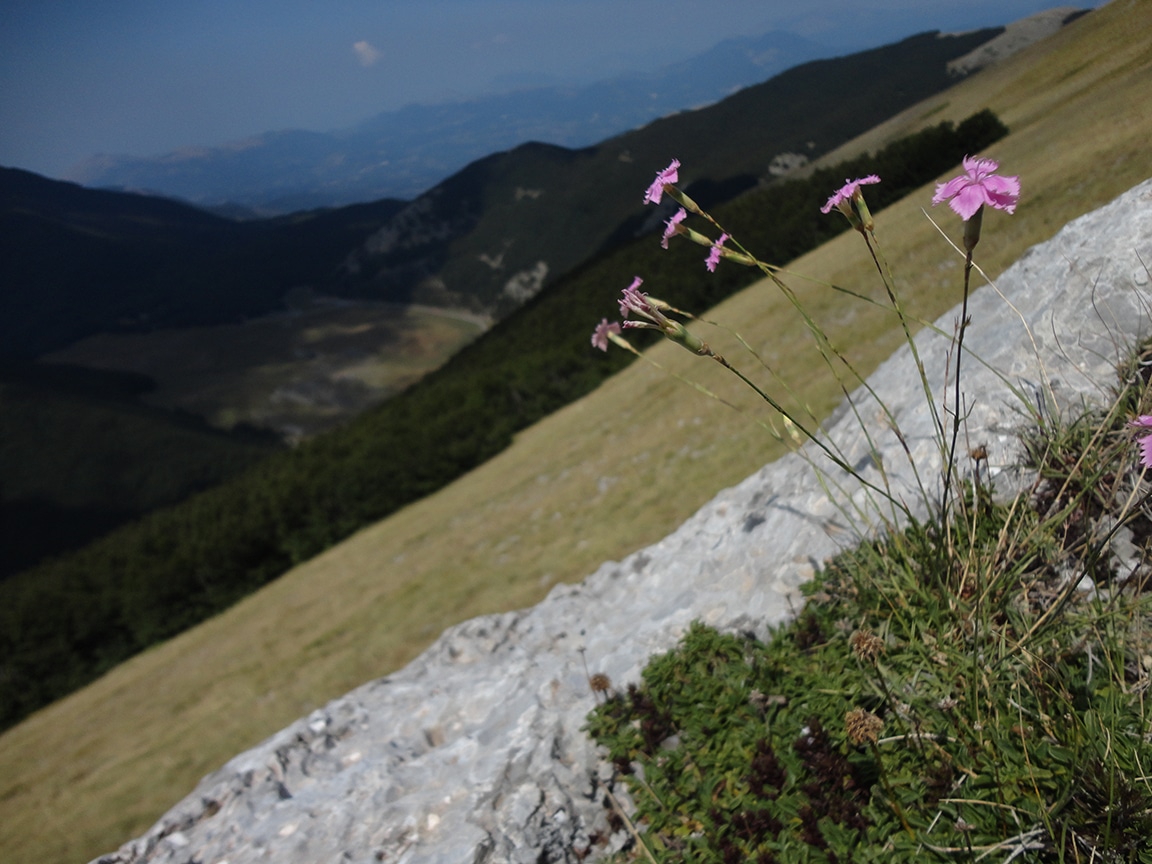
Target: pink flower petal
[714, 254]
[635, 302]
[600, 334]
[944, 191]
[847, 191]
[669, 176]
[632, 299]
[976, 166]
[968, 201]
[1146, 451]
[834, 201]
[979, 186]
[670, 226]
[1003, 192]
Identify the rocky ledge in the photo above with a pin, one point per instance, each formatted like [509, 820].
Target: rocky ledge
[474, 752]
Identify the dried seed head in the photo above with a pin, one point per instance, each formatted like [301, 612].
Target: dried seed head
[600, 683]
[862, 726]
[866, 645]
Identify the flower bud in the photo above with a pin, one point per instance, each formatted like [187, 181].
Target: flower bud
[679, 334]
[683, 200]
[862, 209]
[972, 229]
[697, 237]
[848, 210]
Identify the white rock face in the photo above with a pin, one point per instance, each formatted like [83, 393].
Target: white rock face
[474, 752]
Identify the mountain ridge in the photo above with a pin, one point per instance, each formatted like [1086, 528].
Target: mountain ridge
[77, 261]
[404, 152]
[486, 239]
[573, 203]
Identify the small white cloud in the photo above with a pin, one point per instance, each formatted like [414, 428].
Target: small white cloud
[366, 52]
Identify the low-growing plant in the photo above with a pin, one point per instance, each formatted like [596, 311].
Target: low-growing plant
[967, 687]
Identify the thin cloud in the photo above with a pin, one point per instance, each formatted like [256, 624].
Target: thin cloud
[366, 52]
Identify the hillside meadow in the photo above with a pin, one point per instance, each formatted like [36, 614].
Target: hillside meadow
[604, 476]
[298, 372]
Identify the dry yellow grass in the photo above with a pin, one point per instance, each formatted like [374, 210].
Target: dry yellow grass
[299, 373]
[599, 479]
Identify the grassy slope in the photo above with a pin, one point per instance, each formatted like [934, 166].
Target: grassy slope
[305, 372]
[602, 477]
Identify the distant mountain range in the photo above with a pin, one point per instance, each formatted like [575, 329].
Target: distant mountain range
[78, 261]
[75, 262]
[403, 153]
[400, 154]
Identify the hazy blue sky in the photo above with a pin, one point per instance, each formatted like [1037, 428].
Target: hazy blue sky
[80, 77]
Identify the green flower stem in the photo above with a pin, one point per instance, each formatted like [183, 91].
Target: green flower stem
[836, 459]
[890, 288]
[888, 790]
[912, 733]
[827, 352]
[956, 396]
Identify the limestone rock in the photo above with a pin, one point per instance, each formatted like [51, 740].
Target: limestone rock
[474, 752]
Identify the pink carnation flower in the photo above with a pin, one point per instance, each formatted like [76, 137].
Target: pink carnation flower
[845, 193]
[602, 331]
[969, 192]
[650, 317]
[670, 227]
[1144, 421]
[668, 177]
[633, 298]
[714, 254]
[635, 302]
